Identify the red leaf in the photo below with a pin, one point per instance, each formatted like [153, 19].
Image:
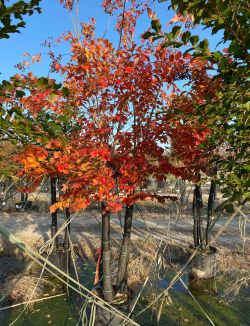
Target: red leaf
[150, 13]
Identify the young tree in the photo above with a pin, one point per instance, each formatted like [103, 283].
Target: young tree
[117, 101]
[225, 113]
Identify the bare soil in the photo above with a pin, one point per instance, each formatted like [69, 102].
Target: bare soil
[155, 222]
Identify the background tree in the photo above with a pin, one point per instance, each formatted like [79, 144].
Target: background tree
[226, 114]
[12, 16]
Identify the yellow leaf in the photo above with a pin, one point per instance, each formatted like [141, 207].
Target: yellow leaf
[87, 54]
[53, 98]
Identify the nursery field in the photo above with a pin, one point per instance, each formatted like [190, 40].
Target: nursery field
[160, 248]
[124, 162]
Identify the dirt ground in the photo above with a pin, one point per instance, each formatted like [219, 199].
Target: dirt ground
[154, 226]
[158, 223]
[154, 221]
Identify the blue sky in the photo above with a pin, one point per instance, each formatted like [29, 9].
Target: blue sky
[54, 20]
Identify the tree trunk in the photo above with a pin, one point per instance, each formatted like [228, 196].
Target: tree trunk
[210, 209]
[197, 214]
[106, 257]
[125, 249]
[54, 214]
[24, 198]
[199, 206]
[195, 227]
[67, 229]
[66, 244]
[182, 191]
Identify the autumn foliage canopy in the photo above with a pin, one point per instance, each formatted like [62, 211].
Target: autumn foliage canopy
[117, 117]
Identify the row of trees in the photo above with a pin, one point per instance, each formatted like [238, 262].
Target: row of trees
[119, 117]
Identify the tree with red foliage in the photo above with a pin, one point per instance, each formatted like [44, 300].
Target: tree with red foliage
[119, 105]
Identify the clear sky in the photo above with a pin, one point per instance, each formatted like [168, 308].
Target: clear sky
[55, 20]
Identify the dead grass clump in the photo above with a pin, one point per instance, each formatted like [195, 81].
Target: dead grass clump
[23, 288]
[8, 249]
[146, 260]
[28, 237]
[143, 254]
[235, 265]
[42, 206]
[175, 255]
[229, 261]
[32, 239]
[238, 281]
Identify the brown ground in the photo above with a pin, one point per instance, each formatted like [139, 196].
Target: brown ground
[154, 226]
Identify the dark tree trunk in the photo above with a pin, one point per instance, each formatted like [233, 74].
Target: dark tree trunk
[24, 198]
[210, 209]
[195, 226]
[197, 214]
[182, 190]
[125, 250]
[67, 229]
[199, 205]
[54, 214]
[106, 257]
[66, 243]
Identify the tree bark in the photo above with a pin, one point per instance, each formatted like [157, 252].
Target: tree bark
[66, 244]
[67, 229]
[195, 226]
[106, 257]
[125, 249]
[24, 198]
[197, 214]
[199, 206]
[54, 214]
[210, 209]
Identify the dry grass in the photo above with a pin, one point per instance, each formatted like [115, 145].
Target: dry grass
[32, 239]
[175, 254]
[8, 249]
[23, 288]
[143, 254]
[42, 206]
[238, 281]
[229, 260]
[237, 266]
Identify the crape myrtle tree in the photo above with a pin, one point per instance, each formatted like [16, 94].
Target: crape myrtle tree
[117, 130]
[224, 110]
[121, 94]
[187, 136]
[8, 171]
[28, 128]
[226, 114]
[117, 98]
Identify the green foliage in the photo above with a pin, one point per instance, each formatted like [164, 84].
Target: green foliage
[176, 31]
[12, 16]
[18, 126]
[228, 116]
[229, 16]
[156, 25]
